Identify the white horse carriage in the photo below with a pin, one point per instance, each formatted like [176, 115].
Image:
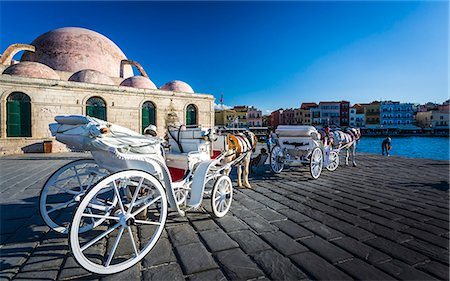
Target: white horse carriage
[301, 145]
[114, 206]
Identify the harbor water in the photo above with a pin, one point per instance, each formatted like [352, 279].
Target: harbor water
[409, 146]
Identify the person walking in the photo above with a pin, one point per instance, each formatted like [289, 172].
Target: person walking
[386, 146]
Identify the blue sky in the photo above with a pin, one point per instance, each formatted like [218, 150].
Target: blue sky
[266, 54]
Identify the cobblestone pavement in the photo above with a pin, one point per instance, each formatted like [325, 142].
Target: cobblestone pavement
[386, 219]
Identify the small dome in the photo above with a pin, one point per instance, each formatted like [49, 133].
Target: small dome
[138, 82]
[32, 70]
[177, 86]
[73, 49]
[91, 76]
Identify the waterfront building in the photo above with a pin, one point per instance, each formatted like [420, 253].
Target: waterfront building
[241, 114]
[352, 122]
[304, 114]
[330, 113]
[254, 117]
[435, 120]
[315, 116]
[225, 117]
[344, 113]
[275, 118]
[359, 120]
[79, 71]
[266, 121]
[372, 113]
[288, 117]
[396, 113]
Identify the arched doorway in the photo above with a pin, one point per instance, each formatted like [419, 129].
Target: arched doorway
[96, 107]
[18, 112]
[148, 114]
[191, 115]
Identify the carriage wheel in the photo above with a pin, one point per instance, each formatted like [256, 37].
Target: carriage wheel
[316, 162]
[181, 194]
[130, 227]
[221, 197]
[333, 161]
[62, 192]
[276, 159]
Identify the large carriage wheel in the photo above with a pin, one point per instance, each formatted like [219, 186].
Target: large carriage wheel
[333, 161]
[316, 162]
[130, 227]
[63, 191]
[276, 159]
[221, 196]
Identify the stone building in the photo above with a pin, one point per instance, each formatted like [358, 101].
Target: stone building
[79, 71]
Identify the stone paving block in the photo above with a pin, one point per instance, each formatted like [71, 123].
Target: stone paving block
[170, 272]
[410, 214]
[195, 258]
[317, 267]
[270, 215]
[182, 235]
[201, 225]
[292, 229]
[396, 250]
[249, 241]
[71, 269]
[325, 249]
[277, 267]
[28, 233]
[14, 255]
[161, 253]
[424, 226]
[438, 223]
[37, 275]
[251, 204]
[11, 226]
[48, 256]
[283, 243]
[386, 222]
[295, 216]
[436, 269]
[231, 223]
[353, 231]
[237, 265]
[429, 237]
[133, 273]
[322, 230]
[428, 250]
[403, 271]
[361, 250]
[242, 212]
[259, 224]
[386, 232]
[217, 240]
[209, 275]
[363, 271]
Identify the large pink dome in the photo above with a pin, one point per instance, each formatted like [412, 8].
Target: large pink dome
[73, 49]
[31, 69]
[91, 76]
[138, 82]
[177, 86]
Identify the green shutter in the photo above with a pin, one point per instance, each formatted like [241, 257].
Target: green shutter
[145, 118]
[18, 119]
[90, 110]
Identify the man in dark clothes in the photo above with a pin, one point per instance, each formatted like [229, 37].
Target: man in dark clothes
[386, 146]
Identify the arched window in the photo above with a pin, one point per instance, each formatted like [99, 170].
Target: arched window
[191, 115]
[18, 112]
[148, 114]
[96, 107]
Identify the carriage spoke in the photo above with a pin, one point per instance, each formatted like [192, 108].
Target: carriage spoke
[96, 239]
[136, 192]
[132, 241]
[145, 206]
[62, 206]
[116, 191]
[100, 217]
[69, 191]
[113, 250]
[78, 178]
[147, 222]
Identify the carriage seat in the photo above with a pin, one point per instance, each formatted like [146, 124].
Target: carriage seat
[178, 163]
[286, 131]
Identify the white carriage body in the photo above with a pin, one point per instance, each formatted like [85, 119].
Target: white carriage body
[298, 141]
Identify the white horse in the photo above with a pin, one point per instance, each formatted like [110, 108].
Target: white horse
[241, 145]
[346, 140]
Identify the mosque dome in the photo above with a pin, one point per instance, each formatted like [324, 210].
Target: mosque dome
[32, 70]
[138, 82]
[91, 76]
[73, 49]
[177, 86]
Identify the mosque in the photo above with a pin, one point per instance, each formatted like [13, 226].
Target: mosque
[78, 71]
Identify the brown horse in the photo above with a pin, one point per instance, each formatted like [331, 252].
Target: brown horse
[241, 145]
